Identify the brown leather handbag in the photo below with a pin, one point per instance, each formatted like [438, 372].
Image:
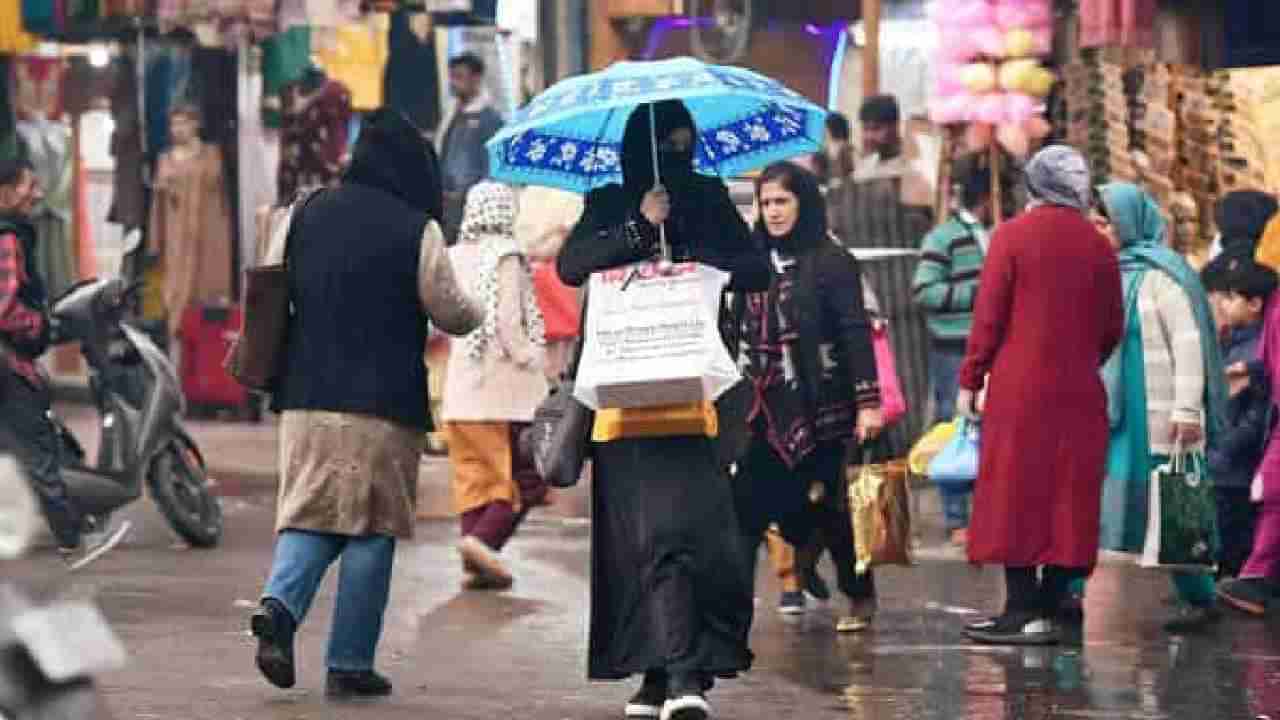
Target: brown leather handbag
[256, 357]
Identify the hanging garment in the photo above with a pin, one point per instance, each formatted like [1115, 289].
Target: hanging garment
[356, 56]
[313, 138]
[124, 8]
[48, 147]
[519, 17]
[128, 196]
[213, 90]
[106, 237]
[317, 13]
[81, 12]
[258, 160]
[411, 80]
[42, 17]
[14, 39]
[83, 85]
[1123, 23]
[37, 87]
[285, 57]
[191, 229]
[168, 81]
[214, 81]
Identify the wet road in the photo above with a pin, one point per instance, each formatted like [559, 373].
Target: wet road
[520, 654]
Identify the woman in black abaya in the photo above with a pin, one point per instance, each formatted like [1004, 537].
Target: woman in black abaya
[670, 596]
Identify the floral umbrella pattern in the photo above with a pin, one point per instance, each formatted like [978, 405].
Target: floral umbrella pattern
[570, 136]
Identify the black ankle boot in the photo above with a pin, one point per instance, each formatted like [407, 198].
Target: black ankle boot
[274, 627]
[347, 685]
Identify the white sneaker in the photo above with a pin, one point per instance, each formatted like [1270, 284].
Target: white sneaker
[94, 545]
[478, 559]
[686, 707]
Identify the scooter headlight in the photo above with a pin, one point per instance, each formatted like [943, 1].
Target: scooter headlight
[19, 514]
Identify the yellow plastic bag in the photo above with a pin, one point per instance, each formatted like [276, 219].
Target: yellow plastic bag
[929, 445]
[658, 421]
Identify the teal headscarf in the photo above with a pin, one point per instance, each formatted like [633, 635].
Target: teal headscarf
[1138, 224]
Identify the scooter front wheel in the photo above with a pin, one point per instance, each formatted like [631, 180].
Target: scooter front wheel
[180, 488]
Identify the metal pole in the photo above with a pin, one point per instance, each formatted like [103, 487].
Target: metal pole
[657, 179]
[140, 77]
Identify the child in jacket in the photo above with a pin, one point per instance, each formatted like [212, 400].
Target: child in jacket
[1240, 289]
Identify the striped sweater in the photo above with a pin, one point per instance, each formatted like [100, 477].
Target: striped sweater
[946, 280]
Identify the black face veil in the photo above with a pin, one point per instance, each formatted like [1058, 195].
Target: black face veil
[637, 149]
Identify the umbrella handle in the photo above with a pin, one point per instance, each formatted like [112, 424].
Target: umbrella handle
[657, 179]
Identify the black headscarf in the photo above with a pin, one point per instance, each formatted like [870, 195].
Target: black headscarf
[392, 155]
[637, 149]
[1242, 216]
[810, 229]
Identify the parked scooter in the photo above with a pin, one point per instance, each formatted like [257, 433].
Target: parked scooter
[48, 654]
[139, 402]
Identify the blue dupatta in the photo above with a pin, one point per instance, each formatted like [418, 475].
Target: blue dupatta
[1136, 219]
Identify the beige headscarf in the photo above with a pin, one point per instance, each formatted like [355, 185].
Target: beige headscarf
[489, 221]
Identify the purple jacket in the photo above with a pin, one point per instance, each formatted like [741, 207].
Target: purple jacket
[1270, 467]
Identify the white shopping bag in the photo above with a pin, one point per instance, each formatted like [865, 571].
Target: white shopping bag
[652, 337]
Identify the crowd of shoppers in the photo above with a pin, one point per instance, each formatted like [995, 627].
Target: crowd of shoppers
[1136, 377]
[1153, 362]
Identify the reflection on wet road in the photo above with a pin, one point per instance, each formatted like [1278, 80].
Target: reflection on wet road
[521, 654]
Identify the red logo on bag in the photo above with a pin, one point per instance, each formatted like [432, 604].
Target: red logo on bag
[647, 271]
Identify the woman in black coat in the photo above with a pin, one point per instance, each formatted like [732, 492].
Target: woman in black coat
[670, 596]
[805, 347]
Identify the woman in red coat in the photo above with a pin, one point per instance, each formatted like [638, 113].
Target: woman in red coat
[1049, 313]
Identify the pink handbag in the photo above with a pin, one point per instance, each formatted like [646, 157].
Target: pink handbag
[893, 404]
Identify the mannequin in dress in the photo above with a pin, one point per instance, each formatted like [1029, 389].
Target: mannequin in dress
[190, 227]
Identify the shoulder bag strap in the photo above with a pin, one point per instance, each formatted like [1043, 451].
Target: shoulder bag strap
[572, 370]
[294, 220]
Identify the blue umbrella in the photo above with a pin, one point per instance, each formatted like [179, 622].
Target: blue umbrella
[570, 136]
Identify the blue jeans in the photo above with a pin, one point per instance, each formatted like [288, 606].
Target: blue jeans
[364, 586]
[944, 382]
[955, 506]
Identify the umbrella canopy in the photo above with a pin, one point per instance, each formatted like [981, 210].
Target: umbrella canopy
[570, 136]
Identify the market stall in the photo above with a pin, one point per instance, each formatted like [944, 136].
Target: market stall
[197, 114]
[1153, 92]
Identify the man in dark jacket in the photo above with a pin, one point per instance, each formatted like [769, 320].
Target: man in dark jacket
[1240, 288]
[469, 125]
[24, 336]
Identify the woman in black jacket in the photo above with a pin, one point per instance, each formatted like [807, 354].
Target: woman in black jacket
[806, 350]
[670, 598]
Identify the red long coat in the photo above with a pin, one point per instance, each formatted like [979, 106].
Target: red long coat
[1049, 313]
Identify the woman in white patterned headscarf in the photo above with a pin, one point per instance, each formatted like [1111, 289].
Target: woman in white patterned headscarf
[494, 383]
